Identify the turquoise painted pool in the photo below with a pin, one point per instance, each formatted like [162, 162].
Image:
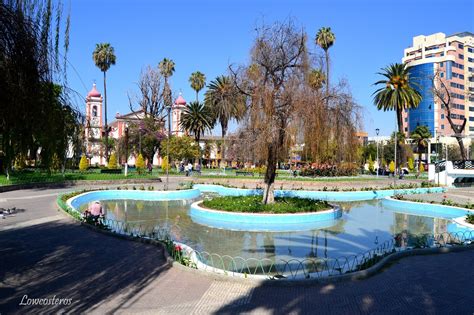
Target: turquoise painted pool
[361, 226]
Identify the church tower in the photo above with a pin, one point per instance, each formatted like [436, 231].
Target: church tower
[178, 107]
[93, 128]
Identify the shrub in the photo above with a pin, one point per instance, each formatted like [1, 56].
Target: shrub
[422, 168]
[470, 218]
[371, 165]
[165, 165]
[83, 164]
[391, 167]
[20, 162]
[140, 163]
[411, 165]
[112, 162]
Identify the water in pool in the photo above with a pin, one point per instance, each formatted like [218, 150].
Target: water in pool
[362, 227]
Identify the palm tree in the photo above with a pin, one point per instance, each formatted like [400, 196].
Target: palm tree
[104, 57]
[197, 81]
[397, 92]
[225, 102]
[316, 79]
[421, 134]
[325, 39]
[197, 118]
[166, 67]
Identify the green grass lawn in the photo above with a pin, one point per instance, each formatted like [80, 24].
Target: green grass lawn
[94, 174]
[43, 177]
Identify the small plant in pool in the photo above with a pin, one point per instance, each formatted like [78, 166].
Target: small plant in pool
[470, 218]
[253, 204]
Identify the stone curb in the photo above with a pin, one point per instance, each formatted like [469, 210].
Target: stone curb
[72, 183]
[353, 276]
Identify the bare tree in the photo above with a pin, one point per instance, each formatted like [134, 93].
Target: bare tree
[443, 93]
[151, 99]
[272, 83]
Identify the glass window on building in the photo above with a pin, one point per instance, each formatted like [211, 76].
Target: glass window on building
[441, 64]
[442, 126]
[461, 56]
[442, 116]
[461, 46]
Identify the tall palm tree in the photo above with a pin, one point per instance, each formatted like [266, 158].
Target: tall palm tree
[421, 134]
[197, 118]
[397, 93]
[325, 38]
[104, 57]
[197, 81]
[166, 67]
[225, 102]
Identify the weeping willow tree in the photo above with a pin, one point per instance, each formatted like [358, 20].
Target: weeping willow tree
[36, 114]
[329, 131]
[286, 106]
[272, 83]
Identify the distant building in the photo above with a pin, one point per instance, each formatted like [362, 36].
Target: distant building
[452, 59]
[95, 130]
[362, 137]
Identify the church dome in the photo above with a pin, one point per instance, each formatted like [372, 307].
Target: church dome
[180, 100]
[93, 92]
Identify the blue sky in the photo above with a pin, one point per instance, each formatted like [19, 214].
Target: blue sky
[209, 35]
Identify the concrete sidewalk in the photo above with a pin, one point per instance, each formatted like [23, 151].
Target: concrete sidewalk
[103, 274]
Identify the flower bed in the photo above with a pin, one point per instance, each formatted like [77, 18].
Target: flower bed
[253, 204]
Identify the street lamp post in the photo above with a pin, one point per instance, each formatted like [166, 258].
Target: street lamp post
[168, 107]
[377, 144]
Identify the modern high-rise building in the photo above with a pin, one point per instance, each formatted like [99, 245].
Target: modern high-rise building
[446, 58]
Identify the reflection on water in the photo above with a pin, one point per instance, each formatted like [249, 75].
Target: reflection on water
[362, 226]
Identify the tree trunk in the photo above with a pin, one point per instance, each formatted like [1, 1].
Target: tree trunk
[223, 133]
[268, 195]
[461, 147]
[400, 149]
[105, 120]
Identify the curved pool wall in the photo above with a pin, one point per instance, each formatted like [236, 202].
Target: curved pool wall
[431, 210]
[100, 195]
[321, 195]
[264, 222]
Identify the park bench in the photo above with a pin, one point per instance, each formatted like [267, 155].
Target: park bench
[111, 171]
[244, 173]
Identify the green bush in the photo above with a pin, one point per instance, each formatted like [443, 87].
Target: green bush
[165, 165]
[83, 164]
[140, 163]
[411, 165]
[371, 165]
[112, 162]
[253, 204]
[470, 218]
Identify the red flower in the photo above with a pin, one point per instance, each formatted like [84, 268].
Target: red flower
[177, 248]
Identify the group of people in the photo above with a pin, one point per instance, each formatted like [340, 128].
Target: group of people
[188, 168]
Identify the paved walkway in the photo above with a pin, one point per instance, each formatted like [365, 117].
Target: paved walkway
[44, 254]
